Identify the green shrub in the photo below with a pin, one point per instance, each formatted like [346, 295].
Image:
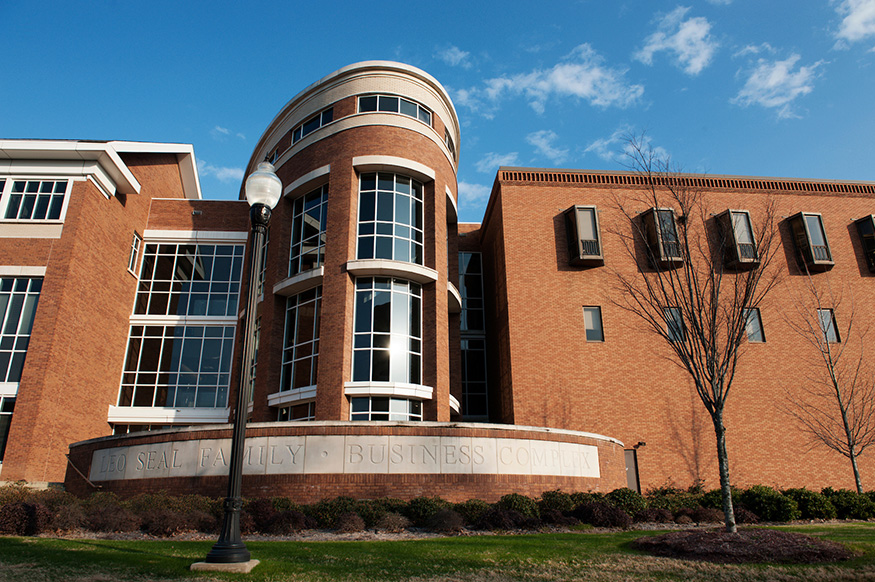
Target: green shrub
[714, 498]
[673, 498]
[471, 510]
[850, 504]
[349, 522]
[166, 522]
[602, 514]
[68, 518]
[290, 521]
[626, 499]
[525, 506]
[371, 510]
[285, 504]
[579, 498]
[769, 504]
[446, 521]
[812, 505]
[421, 509]
[327, 511]
[558, 500]
[707, 515]
[393, 523]
[653, 515]
[500, 519]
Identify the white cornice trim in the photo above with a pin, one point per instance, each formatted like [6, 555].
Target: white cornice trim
[452, 208]
[393, 163]
[161, 415]
[387, 268]
[454, 298]
[401, 389]
[150, 235]
[455, 406]
[21, 229]
[300, 282]
[291, 396]
[306, 180]
[21, 271]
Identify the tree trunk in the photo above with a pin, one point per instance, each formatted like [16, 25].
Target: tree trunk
[853, 456]
[723, 463]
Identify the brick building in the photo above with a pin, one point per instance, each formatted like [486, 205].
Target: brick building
[399, 351]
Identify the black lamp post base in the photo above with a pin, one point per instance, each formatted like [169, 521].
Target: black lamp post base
[230, 552]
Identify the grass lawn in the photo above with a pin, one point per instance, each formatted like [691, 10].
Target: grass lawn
[535, 557]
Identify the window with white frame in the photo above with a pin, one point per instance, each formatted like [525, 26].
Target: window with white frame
[387, 344]
[385, 408]
[394, 104]
[582, 234]
[18, 302]
[660, 230]
[177, 366]
[592, 323]
[309, 215]
[136, 242]
[754, 326]
[312, 124]
[812, 247]
[674, 322]
[827, 321]
[301, 345]
[7, 406]
[33, 199]
[305, 411]
[190, 280]
[390, 218]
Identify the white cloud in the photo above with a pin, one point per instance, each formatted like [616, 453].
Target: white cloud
[220, 133]
[720, 2]
[775, 85]
[492, 161]
[689, 40]
[754, 49]
[616, 148]
[455, 57]
[223, 174]
[473, 196]
[543, 142]
[858, 20]
[581, 74]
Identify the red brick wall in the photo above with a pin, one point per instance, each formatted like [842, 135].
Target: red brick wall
[628, 387]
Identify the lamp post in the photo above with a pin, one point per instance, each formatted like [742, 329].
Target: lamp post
[263, 190]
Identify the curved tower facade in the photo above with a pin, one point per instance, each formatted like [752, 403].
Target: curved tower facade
[357, 300]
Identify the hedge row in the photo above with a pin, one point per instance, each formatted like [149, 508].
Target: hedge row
[26, 511]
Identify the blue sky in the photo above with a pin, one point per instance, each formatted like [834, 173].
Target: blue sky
[750, 87]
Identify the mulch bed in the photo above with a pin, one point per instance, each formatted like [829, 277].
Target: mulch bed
[747, 545]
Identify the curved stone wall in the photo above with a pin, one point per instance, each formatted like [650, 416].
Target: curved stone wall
[316, 460]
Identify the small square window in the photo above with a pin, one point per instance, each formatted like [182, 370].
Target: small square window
[674, 323]
[827, 321]
[754, 326]
[592, 322]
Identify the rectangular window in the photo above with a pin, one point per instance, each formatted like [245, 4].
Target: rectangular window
[450, 144]
[298, 412]
[660, 230]
[475, 396]
[7, 406]
[390, 224]
[739, 238]
[471, 290]
[190, 280]
[827, 320]
[754, 326]
[177, 366]
[301, 344]
[592, 322]
[385, 408]
[312, 124]
[812, 247]
[18, 302]
[387, 331]
[866, 230]
[136, 242]
[582, 232]
[394, 104]
[674, 323]
[309, 217]
[34, 199]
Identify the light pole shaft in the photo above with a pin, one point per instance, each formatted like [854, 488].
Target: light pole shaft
[230, 547]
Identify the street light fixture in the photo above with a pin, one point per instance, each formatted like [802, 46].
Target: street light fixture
[263, 190]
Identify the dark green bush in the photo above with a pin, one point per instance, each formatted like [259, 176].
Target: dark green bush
[556, 517]
[327, 511]
[523, 505]
[714, 498]
[501, 519]
[105, 512]
[284, 504]
[768, 504]
[707, 515]
[22, 518]
[626, 499]
[850, 504]
[262, 512]
[653, 515]
[673, 498]
[167, 522]
[371, 510]
[69, 517]
[745, 516]
[602, 514]
[558, 500]
[812, 505]
[446, 521]
[579, 498]
[421, 509]
[471, 510]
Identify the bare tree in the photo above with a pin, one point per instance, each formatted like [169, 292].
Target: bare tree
[682, 289]
[837, 407]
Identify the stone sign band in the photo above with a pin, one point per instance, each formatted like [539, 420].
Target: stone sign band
[323, 454]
